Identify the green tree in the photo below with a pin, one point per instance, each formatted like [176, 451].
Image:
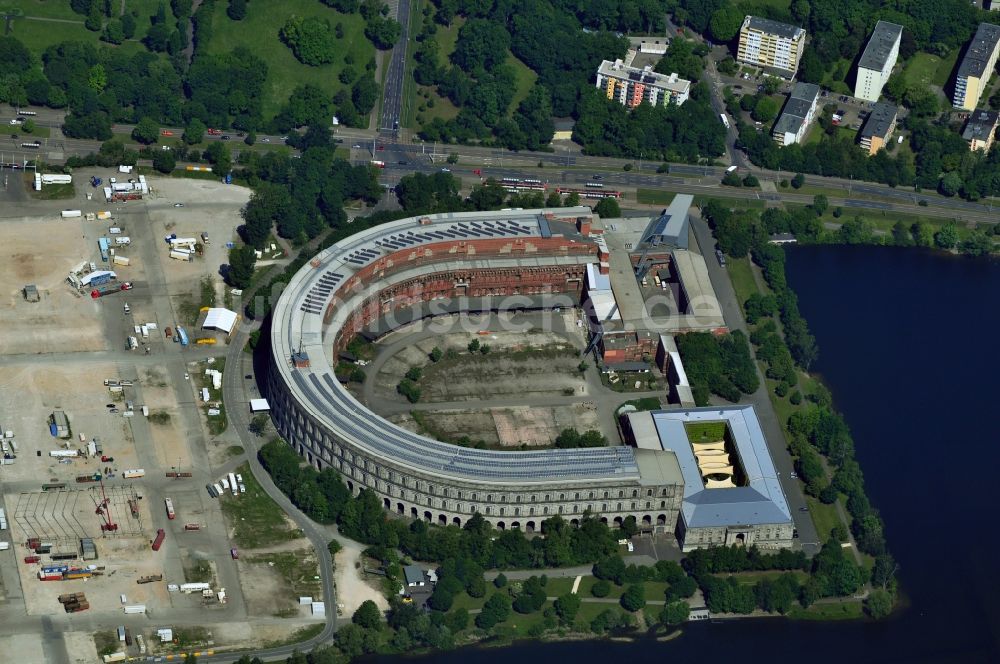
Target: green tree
[113, 33]
[242, 260]
[608, 208]
[820, 204]
[146, 131]
[878, 604]
[312, 41]
[382, 32]
[436, 354]
[600, 588]
[28, 126]
[237, 10]
[194, 132]
[634, 597]
[94, 20]
[367, 615]
[566, 607]
[128, 25]
[164, 161]
[725, 23]
[950, 184]
[572, 199]
[765, 110]
[798, 181]
[473, 346]
[674, 613]
[495, 610]
[946, 237]
[500, 581]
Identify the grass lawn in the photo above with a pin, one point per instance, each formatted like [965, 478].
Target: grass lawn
[264, 20]
[654, 196]
[53, 192]
[22, 136]
[925, 69]
[256, 520]
[846, 609]
[525, 79]
[824, 517]
[40, 34]
[705, 431]
[741, 274]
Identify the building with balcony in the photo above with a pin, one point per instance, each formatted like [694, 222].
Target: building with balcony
[980, 129]
[797, 115]
[877, 61]
[630, 86]
[772, 45]
[878, 128]
[977, 66]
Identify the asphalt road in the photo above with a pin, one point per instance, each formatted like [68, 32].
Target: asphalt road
[392, 97]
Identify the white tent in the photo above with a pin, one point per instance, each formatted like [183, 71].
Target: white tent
[220, 319]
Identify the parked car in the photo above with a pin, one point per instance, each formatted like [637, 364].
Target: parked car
[234, 553]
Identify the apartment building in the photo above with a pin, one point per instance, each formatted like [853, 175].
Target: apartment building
[797, 115]
[977, 67]
[772, 45]
[980, 129]
[877, 61]
[877, 130]
[630, 86]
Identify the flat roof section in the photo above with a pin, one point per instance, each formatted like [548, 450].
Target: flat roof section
[772, 27]
[978, 53]
[880, 45]
[761, 501]
[879, 121]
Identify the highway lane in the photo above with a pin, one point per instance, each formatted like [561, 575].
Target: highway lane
[392, 96]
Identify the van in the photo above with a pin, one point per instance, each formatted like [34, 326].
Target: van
[731, 169]
[127, 309]
[114, 230]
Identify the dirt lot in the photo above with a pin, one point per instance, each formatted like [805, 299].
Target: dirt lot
[210, 207]
[29, 394]
[507, 427]
[274, 578]
[42, 251]
[168, 442]
[352, 590]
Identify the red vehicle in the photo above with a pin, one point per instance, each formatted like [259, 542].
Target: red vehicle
[380, 164]
[107, 459]
[234, 553]
[32, 559]
[166, 132]
[127, 285]
[158, 542]
[477, 172]
[381, 148]
[214, 132]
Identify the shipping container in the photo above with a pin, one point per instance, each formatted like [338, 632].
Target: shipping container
[158, 542]
[150, 578]
[192, 526]
[134, 472]
[69, 214]
[135, 608]
[122, 260]
[32, 559]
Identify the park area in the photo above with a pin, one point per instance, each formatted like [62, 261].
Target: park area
[264, 20]
[39, 24]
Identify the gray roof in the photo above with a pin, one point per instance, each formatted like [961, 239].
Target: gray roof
[978, 53]
[761, 501]
[413, 574]
[880, 120]
[884, 37]
[298, 326]
[773, 27]
[671, 227]
[799, 103]
[980, 125]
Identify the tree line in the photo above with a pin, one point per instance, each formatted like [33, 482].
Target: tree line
[720, 365]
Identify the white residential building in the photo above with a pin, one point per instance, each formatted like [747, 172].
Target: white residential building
[878, 60]
[797, 115]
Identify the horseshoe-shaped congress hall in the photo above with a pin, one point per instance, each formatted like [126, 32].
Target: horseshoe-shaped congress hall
[394, 273]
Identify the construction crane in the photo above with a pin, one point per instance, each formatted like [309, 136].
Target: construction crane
[109, 526]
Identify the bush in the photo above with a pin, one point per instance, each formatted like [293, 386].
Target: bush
[634, 597]
[600, 588]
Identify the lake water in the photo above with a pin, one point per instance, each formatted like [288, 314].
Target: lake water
[909, 344]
